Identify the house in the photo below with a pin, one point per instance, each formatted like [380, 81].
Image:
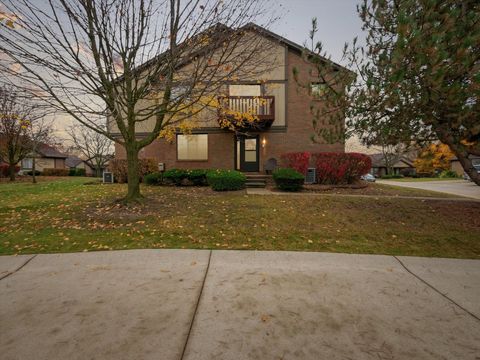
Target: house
[74, 162]
[456, 166]
[47, 157]
[285, 119]
[403, 166]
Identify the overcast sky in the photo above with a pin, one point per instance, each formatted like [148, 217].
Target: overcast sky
[338, 22]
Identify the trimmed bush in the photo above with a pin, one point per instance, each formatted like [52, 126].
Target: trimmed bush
[175, 176]
[341, 168]
[224, 180]
[55, 172]
[448, 174]
[37, 173]
[77, 172]
[198, 177]
[119, 168]
[4, 170]
[288, 179]
[298, 161]
[153, 178]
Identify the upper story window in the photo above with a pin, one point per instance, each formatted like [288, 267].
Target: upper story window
[318, 89]
[244, 90]
[192, 147]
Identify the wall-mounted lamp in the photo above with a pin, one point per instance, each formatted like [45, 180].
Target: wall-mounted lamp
[264, 142]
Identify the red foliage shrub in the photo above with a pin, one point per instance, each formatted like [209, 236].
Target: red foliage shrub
[341, 168]
[120, 170]
[55, 172]
[4, 170]
[298, 161]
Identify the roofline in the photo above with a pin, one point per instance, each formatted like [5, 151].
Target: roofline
[290, 44]
[249, 26]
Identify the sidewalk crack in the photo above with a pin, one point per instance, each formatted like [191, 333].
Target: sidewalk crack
[18, 268]
[436, 290]
[196, 307]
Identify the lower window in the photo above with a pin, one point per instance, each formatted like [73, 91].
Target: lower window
[27, 163]
[192, 147]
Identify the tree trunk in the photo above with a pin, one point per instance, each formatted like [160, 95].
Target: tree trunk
[11, 171]
[34, 178]
[133, 194]
[463, 157]
[468, 167]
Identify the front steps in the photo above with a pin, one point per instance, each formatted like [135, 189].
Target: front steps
[257, 180]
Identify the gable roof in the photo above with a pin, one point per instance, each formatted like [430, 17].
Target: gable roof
[73, 161]
[50, 152]
[219, 27]
[379, 161]
[290, 44]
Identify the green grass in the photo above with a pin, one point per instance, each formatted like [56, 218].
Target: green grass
[66, 216]
[422, 179]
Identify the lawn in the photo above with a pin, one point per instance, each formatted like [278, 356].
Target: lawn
[66, 216]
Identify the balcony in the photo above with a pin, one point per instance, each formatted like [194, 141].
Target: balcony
[243, 113]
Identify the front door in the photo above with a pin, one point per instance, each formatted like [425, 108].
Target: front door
[247, 153]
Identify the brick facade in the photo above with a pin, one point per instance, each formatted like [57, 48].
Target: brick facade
[295, 136]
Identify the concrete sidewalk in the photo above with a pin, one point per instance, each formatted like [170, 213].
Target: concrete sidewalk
[454, 187]
[188, 304]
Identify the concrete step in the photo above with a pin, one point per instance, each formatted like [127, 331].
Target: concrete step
[255, 184]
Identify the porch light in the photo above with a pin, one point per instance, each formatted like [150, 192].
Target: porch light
[264, 142]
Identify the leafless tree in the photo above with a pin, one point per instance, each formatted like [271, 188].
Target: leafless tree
[148, 66]
[95, 148]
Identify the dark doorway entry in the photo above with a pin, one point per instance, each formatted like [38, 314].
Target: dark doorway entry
[247, 153]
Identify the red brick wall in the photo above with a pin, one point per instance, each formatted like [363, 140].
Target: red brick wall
[220, 153]
[296, 136]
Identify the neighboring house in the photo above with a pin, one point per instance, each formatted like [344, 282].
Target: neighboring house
[74, 162]
[404, 166]
[456, 166]
[285, 117]
[47, 157]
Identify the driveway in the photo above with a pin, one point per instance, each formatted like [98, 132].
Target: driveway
[455, 187]
[194, 304]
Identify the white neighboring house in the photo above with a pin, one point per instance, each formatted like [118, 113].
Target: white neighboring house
[47, 157]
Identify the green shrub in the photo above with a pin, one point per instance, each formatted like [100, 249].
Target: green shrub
[55, 172]
[392, 176]
[448, 174]
[77, 172]
[175, 176]
[153, 178]
[198, 177]
[224, 180]
[288, 179]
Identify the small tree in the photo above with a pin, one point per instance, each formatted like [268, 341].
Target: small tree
[143, 64]
[15, 121]
[434, 157]
[94, 147]
[419, 74]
